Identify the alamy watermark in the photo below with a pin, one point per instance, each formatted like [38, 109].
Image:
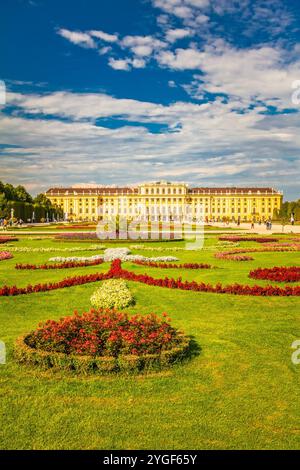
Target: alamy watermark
[2, 92]
[296, 354]
[156, 225]
[296, 93]
[2, 353]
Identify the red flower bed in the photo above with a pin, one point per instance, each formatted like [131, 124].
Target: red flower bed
[105, 333]
[279, 274]
[236, 238]
[236, 289]
[116, 271]
[66, 264]
[8, 239]
[153, 264]
[67, 282]
[5, 255]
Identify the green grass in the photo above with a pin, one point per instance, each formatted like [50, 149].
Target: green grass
[240, 392]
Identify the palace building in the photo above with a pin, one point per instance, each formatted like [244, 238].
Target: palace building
[165, 201]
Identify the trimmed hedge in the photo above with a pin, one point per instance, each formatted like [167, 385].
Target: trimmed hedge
[24, 354]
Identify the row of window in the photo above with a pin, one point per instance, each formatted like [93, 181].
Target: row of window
[163, 191]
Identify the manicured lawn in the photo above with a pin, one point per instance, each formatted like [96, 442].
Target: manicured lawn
[241, 390]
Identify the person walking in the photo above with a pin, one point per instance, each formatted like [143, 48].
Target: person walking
[5, 223]
[292, 219]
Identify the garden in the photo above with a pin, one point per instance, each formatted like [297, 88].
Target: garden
[149, 345]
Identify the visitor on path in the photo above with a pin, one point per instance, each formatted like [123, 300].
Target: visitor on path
[5, 223]
[252, 224]
[292, 219]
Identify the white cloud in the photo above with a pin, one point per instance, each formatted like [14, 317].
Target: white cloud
[181, 59]
[142, 45]
[138, 63]
[248, 74]
[173, 35]
[211, 143]
[104, 36]
[77, 37]
[105, 50]
[119, 64]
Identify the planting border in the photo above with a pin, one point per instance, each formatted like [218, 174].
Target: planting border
[116, 271]
[24, 354]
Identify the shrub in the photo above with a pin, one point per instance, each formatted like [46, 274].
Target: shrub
[113, 293]
[103, 341]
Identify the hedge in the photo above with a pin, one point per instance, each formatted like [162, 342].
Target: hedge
[24, 354]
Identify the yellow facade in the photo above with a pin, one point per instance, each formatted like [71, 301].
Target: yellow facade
[167, 201]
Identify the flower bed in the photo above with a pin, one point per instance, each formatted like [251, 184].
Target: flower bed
[158, 248]
[67, 282]
[236, 238]
[5, 255]
[75, 227]
[265, 249]
[103, 341]
[64, 265]
[76, 259]
[26, 249]
[235, 289]
[116, 271]
[8, 239]
[113, 293]
[77, 236]
[153, 264]
[279, 274]
[231, 257]
[124, 254]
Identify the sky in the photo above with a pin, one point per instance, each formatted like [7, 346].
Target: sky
[118, 92]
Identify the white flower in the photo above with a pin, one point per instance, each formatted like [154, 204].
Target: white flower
[116, 253]
[60, 259]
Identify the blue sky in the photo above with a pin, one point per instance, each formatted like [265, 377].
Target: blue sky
[119, 92]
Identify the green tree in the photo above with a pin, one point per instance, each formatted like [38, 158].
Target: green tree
[9, 192]
[22, 195]
[42, 200]
[3, 205]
